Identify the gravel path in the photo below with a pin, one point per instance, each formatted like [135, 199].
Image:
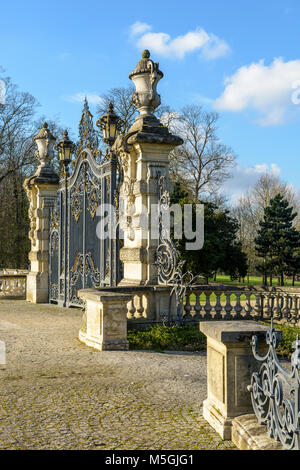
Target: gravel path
[57, 393]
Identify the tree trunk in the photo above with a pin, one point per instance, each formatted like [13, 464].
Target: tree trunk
[282, 279]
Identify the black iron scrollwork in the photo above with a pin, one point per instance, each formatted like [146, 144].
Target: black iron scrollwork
[275, 392]
[169, 267]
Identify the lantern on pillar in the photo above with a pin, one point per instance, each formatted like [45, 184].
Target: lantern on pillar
[65, 148]
[110, 124]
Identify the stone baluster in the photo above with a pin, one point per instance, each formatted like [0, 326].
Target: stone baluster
[248, 307]
[267, 307]
[238, 307]
[280, 304]
[187, 307]
[276, 308]
[295, 308]
[258, 309]
[228, 306]
[218, 306]
[285, 309]
[208, 306]
[272, 303]
[139, 305]
[289, 304]
[131, 309]
[197, 307]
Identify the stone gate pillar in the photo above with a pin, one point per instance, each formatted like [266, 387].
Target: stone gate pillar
[41, 189]
[144, 154]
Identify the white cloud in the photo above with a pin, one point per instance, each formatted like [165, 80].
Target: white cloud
[267, 89]
[92, 98]
[215, 48]
[244, 178]
[210, 46]
[139, 28]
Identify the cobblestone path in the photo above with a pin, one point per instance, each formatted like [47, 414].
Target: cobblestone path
[59, 394]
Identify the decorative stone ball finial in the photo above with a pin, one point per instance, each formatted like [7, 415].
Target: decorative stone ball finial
[146, 54]
[145, 77]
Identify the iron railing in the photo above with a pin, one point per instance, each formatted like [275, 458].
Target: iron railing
[275, 392]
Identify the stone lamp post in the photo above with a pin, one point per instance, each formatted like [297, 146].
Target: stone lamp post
[144, 155]
[65, 149]
[41, 189]
[109, 124]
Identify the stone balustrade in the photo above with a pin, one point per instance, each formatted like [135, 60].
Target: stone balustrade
[150, 304]
[205, 303]
[13, 283]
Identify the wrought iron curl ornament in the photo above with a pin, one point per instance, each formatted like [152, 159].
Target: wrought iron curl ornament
[275, 392]
[169, 267]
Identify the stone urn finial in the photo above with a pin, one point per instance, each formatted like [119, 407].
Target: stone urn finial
[145, 77]
[45, 142]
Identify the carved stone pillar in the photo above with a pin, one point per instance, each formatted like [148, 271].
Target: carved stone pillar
[144, 154]
[41, 189]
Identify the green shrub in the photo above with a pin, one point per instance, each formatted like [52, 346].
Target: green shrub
[172, 338]
[289, 335]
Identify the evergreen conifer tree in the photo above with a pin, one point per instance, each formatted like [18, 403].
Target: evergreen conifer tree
[277, 241]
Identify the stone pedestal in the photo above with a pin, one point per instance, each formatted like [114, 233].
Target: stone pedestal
[105, 319]
[230, 364]
[42, 196]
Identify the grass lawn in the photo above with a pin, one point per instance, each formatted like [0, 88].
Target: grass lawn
[253, 281]
[167, 338]
[188, 338]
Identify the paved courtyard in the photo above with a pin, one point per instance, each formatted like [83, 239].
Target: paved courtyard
[59, 394]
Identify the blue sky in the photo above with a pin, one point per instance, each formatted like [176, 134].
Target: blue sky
[241, 58]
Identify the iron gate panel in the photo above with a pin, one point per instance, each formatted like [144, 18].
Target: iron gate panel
[90, 261]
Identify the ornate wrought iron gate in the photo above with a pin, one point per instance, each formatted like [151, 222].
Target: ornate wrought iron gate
[77, 257]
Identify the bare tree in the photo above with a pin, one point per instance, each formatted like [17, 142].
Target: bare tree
[16, 128]
[121, 99]
[250, 210]
[203, 162]
[17, 161]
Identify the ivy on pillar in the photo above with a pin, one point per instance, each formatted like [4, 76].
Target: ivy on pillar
[41, 189]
